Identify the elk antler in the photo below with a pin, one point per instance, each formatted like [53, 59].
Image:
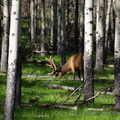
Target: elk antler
[51, 64]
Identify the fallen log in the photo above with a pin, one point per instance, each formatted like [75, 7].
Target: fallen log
[2, 74]
[51, 106]
[104, 80]
[26, 117]
[70, 79]
[57, 106]
[36, 61]
[74, 88]
[39, 76]
[96, 109]
[52, 79]
[61, 87]
[110, 66]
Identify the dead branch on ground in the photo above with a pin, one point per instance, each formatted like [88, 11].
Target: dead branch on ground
[77, 89]
[51, 106]
[97, 93]
[36, 61]
[74, 88]
[61, 87]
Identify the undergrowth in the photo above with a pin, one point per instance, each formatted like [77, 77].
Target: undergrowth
[34, 93]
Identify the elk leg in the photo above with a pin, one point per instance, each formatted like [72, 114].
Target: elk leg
[73, 76]
[79, 75]
[73, 72]
[83, 73]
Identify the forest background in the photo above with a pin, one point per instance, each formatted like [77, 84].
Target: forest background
[33, 30]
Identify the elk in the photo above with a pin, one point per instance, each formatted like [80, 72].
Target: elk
[74, 63]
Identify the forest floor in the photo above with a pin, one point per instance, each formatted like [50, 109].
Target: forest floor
[50, 103]
[46, 98]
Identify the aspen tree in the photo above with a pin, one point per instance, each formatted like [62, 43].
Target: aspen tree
[100, 36]
[117, 56]
[54, 25]
[88, 51]
[12, 60]
[43, 27]
[4, 51]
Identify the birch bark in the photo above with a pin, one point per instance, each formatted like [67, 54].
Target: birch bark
[117, 56]
[88, 51]
[4, 51]
[54, 25]
[43, 27]
[100, 36]
[12, 60]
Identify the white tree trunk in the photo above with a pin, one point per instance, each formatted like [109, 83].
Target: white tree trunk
[4, 51]
[33, 23]
[112, 28]
[100, 35]
[0, 17]
[12, 60]
[54, 25]
[59, 26]
[63, 33]
[81, 26]
[76, 29]
[19, 66]
[117, 56]
[107, 24]
[88, 46]
[43, 27]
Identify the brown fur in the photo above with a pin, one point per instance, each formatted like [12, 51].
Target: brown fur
[74, 63]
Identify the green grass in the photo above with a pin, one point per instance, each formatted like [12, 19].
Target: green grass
[60, 114]
[32, 88]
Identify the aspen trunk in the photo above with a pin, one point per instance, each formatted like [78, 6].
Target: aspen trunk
[62, 34]
[43, 27]
[117, 56]
[81, 50]
[33, 22]
[4, 51]
[76, 24]
[54, 25]
[107, 24]
[100, 36]
[12, 61]
[88, 61]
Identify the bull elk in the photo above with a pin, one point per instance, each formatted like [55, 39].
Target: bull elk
[74, 63]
